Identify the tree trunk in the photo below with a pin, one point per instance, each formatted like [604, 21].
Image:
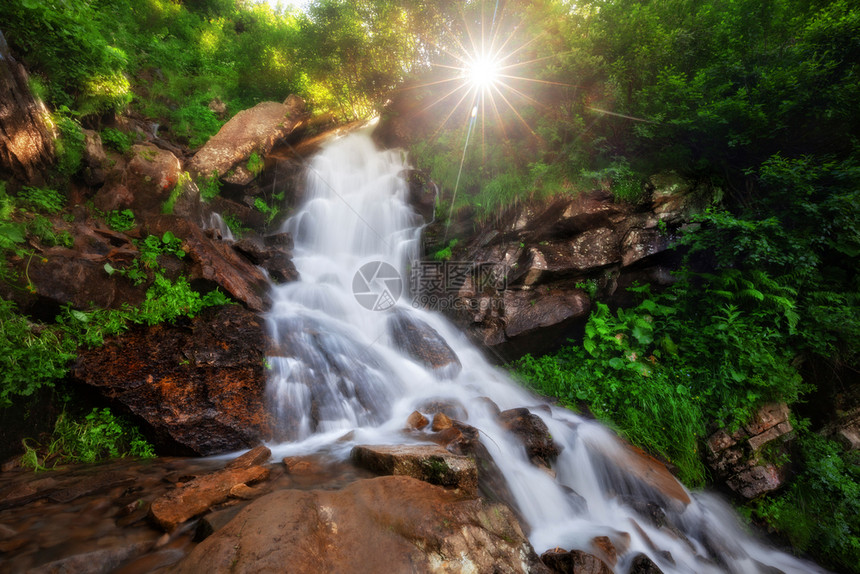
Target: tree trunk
[26, 138]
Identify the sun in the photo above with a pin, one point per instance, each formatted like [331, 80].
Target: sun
[483, 71]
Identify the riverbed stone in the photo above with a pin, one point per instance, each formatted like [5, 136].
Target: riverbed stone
[429, 463]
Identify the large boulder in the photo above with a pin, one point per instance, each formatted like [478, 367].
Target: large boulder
[198, 386]
[26, 140]
[255, 130]
[385, 524]
[533, 433]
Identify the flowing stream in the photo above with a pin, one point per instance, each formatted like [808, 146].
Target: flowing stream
[338, 379]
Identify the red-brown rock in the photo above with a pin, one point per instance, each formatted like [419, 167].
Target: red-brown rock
[532, 433]
[386, 524]
[201, 494]
[574, 562]
[198, 385]
[150, 176]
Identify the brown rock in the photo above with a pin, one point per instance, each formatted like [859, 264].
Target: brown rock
[574, 562]
[198, 385]
[94, 158]
[529, 311]
[429, 463]
[302, 466]
[767, 417]
[423, 344]
[26, 139]
[770, 434]
[757, 480]
[386, 524]
[441, 421]
[245, 492]
[416, 421]
[643, 565]
[255, 457]
[255, 130]
[151, 175]
[532, 433]
[201, 494]
[604, 548]
[641, 243]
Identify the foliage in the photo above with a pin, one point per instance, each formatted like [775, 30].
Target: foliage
[210, 187]
[661, 381]
[100, 435]
[121, 220]
[31, 356]
[70, 143]
[181, 187]
[196, 123]
[445, 253]
[255, 164]
[42, 228]
[117, 140]
[41, 199]
[820, 510]
[270, 209]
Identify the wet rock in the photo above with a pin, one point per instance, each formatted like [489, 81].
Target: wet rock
[272, 255]
[256, 456]
[26, 139]
[200, 494]
[198, 385]
[605, 550]
[150, 176]
[245, 492]
[423, 344]
[95, 562]
[574, 562]
[422, 193]
[302, 466]
[215, 521]
[767, 417]
[849, 436]
[643, 476]
[643, 565]
[441, 421]
[255, 130]
[533, 434]
[450, 407]
[386, 524]
[416, 421]
[429, 463]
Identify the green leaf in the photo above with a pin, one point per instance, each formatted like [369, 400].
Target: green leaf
[109, 269]
[616, 363]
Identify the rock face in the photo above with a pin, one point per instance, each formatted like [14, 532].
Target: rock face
[199, 386]
[250, 131]
[26, 141]
[423, 344]
[736, 457]
[429, 463]
[361, 528]
[533, 278]
[574, 562]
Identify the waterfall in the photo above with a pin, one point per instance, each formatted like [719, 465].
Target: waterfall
[338, 378]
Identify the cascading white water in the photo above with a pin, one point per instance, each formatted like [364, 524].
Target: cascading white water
[338, 370]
